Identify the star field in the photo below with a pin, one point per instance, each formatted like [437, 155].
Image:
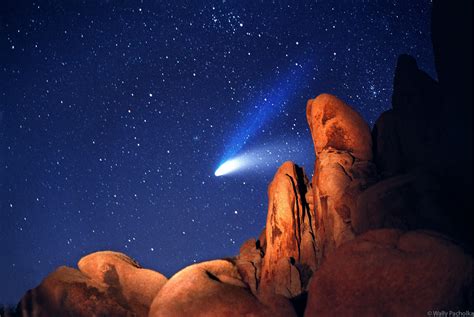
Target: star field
[115, 115]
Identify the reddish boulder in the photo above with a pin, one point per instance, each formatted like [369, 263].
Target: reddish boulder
[137, 285]
[68, 292]
[106, 284]
[336, 126]
[249, 264]
[391, 273]
[343, 168]
[213, 288]
[290, 254]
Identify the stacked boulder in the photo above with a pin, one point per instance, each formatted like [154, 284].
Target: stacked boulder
[106, 284]
[343, 168]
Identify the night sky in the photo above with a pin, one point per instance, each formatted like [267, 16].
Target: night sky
[115, 116]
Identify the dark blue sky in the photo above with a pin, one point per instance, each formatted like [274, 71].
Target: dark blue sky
[115, 115]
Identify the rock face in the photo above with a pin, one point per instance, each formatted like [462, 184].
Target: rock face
[249, 263]
[343, 168]
[213, 288]
[391, 273]
[106, 284]
[123, 275]
[290, 254]
[336, 126]
[68, 292]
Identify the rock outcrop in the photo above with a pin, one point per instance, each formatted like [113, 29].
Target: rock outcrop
[343, 168]
[123, 275]
[106, 284]
[213, 288]
[391, 273]
[290, 254]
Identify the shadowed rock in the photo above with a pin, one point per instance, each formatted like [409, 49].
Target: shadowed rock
[391, 273]
[408, 135]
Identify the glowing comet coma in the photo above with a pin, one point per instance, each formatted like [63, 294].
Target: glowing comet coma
[261, 110]
[229, 167]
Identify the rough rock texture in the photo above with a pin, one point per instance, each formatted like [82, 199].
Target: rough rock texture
[290, 254]
[106, 284]
[390, 273]
[334, 125]
[249, 263]
[122, 274]
[213, 288]
[343, 146]
[68, 292]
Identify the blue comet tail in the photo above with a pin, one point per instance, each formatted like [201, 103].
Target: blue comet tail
[261, 110]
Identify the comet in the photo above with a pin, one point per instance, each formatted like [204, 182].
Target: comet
[229, 166]
[261, 109]
[267, 158]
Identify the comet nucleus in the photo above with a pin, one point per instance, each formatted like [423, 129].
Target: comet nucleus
[229, 167]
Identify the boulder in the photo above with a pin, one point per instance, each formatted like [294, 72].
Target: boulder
[125, 276]
[336, 126]
[213, 288]
[68, 292]
[388, 272]
[106, 284]
[290, 254]
[249, 263]
[343, 168]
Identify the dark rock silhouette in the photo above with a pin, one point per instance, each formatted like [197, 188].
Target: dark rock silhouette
[408, 135]
[425, 139]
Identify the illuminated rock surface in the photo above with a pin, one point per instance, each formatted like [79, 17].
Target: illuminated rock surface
[106, 284]
[213, 288]
[290, 254]
[343, 146]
